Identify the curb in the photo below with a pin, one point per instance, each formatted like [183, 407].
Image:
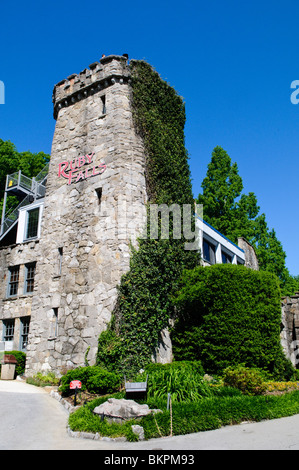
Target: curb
[81, 434]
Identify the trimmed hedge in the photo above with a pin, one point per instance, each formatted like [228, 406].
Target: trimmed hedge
[229, 315]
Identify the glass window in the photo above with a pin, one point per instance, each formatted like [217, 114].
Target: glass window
[14, 274]
[24, 332]
[209, 251]
[8, 330]
[32, 223]
[29, 280]
[226, 258]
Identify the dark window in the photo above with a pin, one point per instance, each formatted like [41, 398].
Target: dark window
[29, 281]
[24, 332]
[13, 285]
[32, 223]
[209, 251]
[99, 194]
[60, 256]
[103, 98]
[8, 330]
[226, 258]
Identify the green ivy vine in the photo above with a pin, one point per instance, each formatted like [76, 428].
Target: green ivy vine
[146, 291]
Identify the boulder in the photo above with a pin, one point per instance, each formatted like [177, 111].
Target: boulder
[119, 410]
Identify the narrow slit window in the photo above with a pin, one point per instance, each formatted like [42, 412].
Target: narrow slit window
[60, 254]
[103, 98]
[99, 194]
[54, 324]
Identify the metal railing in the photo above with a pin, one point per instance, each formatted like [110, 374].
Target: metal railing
[34, 185]
[17, 179]
[12, 216]
[35, 189]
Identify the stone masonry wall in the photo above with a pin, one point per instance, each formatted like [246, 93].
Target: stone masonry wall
[290, 331]
[18, 306]
[251, 260]
[90, 216]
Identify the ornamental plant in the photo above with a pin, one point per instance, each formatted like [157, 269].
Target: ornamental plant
[249, 381]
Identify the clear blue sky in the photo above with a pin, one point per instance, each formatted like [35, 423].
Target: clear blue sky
[232, 61]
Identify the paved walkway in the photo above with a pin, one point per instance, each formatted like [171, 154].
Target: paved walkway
[31, 419]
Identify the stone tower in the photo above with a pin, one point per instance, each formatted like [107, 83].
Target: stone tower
[94, 207]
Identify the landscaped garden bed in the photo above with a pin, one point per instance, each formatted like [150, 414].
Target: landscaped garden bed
[198, 402]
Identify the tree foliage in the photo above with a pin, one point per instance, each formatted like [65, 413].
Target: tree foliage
[236, 214]
[12, 161]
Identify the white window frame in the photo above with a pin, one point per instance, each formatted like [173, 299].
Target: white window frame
[23, 221]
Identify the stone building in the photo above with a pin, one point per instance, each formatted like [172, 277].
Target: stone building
[64, 248]
[91, 210]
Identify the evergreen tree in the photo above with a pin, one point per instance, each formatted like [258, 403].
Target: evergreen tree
[221, 207]
[237, 215]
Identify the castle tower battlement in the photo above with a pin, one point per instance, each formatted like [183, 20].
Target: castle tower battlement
[100, 75]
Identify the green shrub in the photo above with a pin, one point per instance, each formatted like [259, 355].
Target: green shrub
[93, 378]
[103, 382]
[228, 315]
[249, 381]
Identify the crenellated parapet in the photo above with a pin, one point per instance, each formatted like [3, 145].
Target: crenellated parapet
[100, 75]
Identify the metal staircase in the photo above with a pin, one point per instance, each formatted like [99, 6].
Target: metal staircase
[27, 191]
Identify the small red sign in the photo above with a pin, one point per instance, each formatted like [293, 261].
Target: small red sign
[75, 384]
